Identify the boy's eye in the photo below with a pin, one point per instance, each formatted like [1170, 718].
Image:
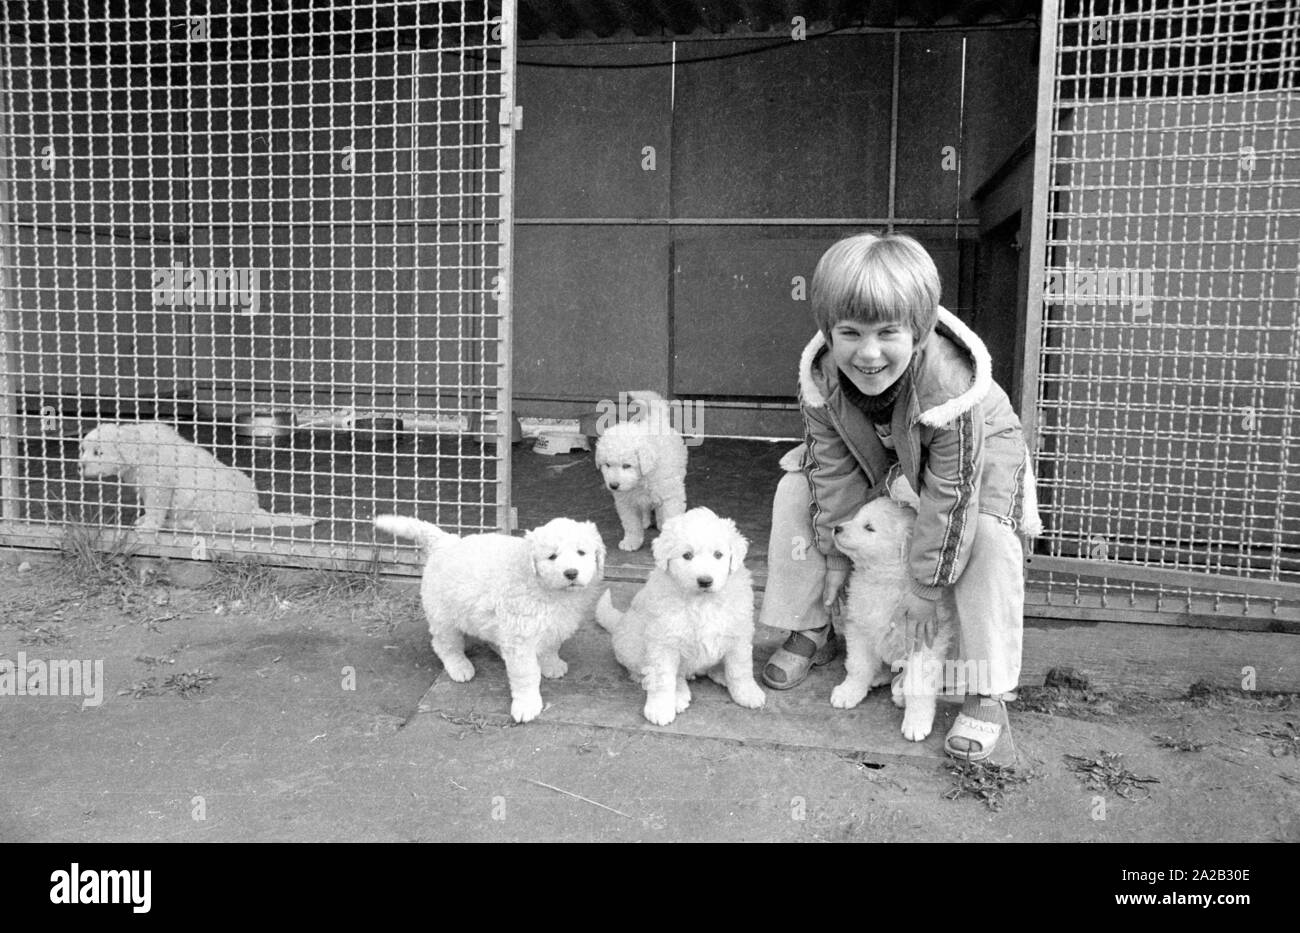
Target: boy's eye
[688, 556]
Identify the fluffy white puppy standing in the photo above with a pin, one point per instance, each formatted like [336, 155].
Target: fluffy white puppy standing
[694, 613]
[524, 596]
[877, 539]
[643, 464]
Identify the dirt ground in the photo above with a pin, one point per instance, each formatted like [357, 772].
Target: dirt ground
[246, 704]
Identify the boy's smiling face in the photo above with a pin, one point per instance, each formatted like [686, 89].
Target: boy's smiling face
[873, 356]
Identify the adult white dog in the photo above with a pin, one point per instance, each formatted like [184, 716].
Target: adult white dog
[643, 464]
[877, 539]
[179, 483]
[695, 612]
[524, 596]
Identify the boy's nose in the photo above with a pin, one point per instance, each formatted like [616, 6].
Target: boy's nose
[837, 529]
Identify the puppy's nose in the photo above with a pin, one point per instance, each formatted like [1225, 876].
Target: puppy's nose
[570, 574]
[705, 582]
[613, 485]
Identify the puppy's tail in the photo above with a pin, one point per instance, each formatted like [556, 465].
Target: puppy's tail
[426, 533]
[265, 519]
[606, 614]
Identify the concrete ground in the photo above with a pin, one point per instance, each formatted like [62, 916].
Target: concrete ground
[246, 704]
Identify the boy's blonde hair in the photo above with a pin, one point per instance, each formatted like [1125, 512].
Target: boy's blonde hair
[876, 280]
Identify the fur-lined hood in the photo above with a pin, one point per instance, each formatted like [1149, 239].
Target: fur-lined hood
[819, 376]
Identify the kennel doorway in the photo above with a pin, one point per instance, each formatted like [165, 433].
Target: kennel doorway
[1162, 363]
[285, 233]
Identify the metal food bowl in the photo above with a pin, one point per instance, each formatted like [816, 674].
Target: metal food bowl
[265, 427]
[377, 433]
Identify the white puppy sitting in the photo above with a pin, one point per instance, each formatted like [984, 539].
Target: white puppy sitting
[877, 539]
[643, 464]
[695, 612]
[525, 596]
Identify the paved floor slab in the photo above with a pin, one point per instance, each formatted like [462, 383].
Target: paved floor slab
[598, 692]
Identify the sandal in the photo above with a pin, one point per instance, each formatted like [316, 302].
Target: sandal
[979, 736]
[790, 664]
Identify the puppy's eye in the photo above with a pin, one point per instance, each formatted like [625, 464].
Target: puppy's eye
[553, 556]
[689, 555]
[582, 553]
[868, 526]
[717, 555]
[627, 466]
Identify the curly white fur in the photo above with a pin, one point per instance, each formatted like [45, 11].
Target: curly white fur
[877, 538]
[524, 596]
[643, 464]
[695, 612]
[179, 483]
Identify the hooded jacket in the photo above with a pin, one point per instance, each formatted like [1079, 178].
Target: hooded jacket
[958, 441]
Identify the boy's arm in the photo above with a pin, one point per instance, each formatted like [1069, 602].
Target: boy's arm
[949, 504]
[836, 481]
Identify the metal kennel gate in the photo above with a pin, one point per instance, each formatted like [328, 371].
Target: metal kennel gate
[1162, 366]
[284, 232]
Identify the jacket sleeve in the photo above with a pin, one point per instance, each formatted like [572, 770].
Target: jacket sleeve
[835, 480]
[949, 503]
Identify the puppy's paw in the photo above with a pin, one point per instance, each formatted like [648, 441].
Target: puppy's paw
[749, 695]
[553, 667]
[847, 695]
[917, 722]
[630, 543]
[526, 709]
[683, 698]
[661, 710]
[458, 669]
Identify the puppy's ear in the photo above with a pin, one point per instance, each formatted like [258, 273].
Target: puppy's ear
[530, 538]
[739, 546]
[664, 547]
[597, 544]
[645, 460]
[900, 490]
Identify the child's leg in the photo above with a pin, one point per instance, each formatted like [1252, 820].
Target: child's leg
[990, 601]
[792, 599]
[990, 598]
[796, 570]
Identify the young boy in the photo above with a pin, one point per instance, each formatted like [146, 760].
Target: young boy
[895, 385]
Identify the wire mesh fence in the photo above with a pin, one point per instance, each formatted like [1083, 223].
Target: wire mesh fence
[283, 234]
[1168, 354]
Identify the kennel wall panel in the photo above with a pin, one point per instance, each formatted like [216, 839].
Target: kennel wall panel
[585, 327]
[930, 86]
[998, 101]
[586, 128]
[735, 299]
[802, 130]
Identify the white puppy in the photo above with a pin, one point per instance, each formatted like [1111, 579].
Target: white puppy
[877, 539]
[524, 596]
[695, 612]
[643, 464]
[179, 483]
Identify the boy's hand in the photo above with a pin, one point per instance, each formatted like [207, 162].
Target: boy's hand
[831, 588]
[920, 621]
